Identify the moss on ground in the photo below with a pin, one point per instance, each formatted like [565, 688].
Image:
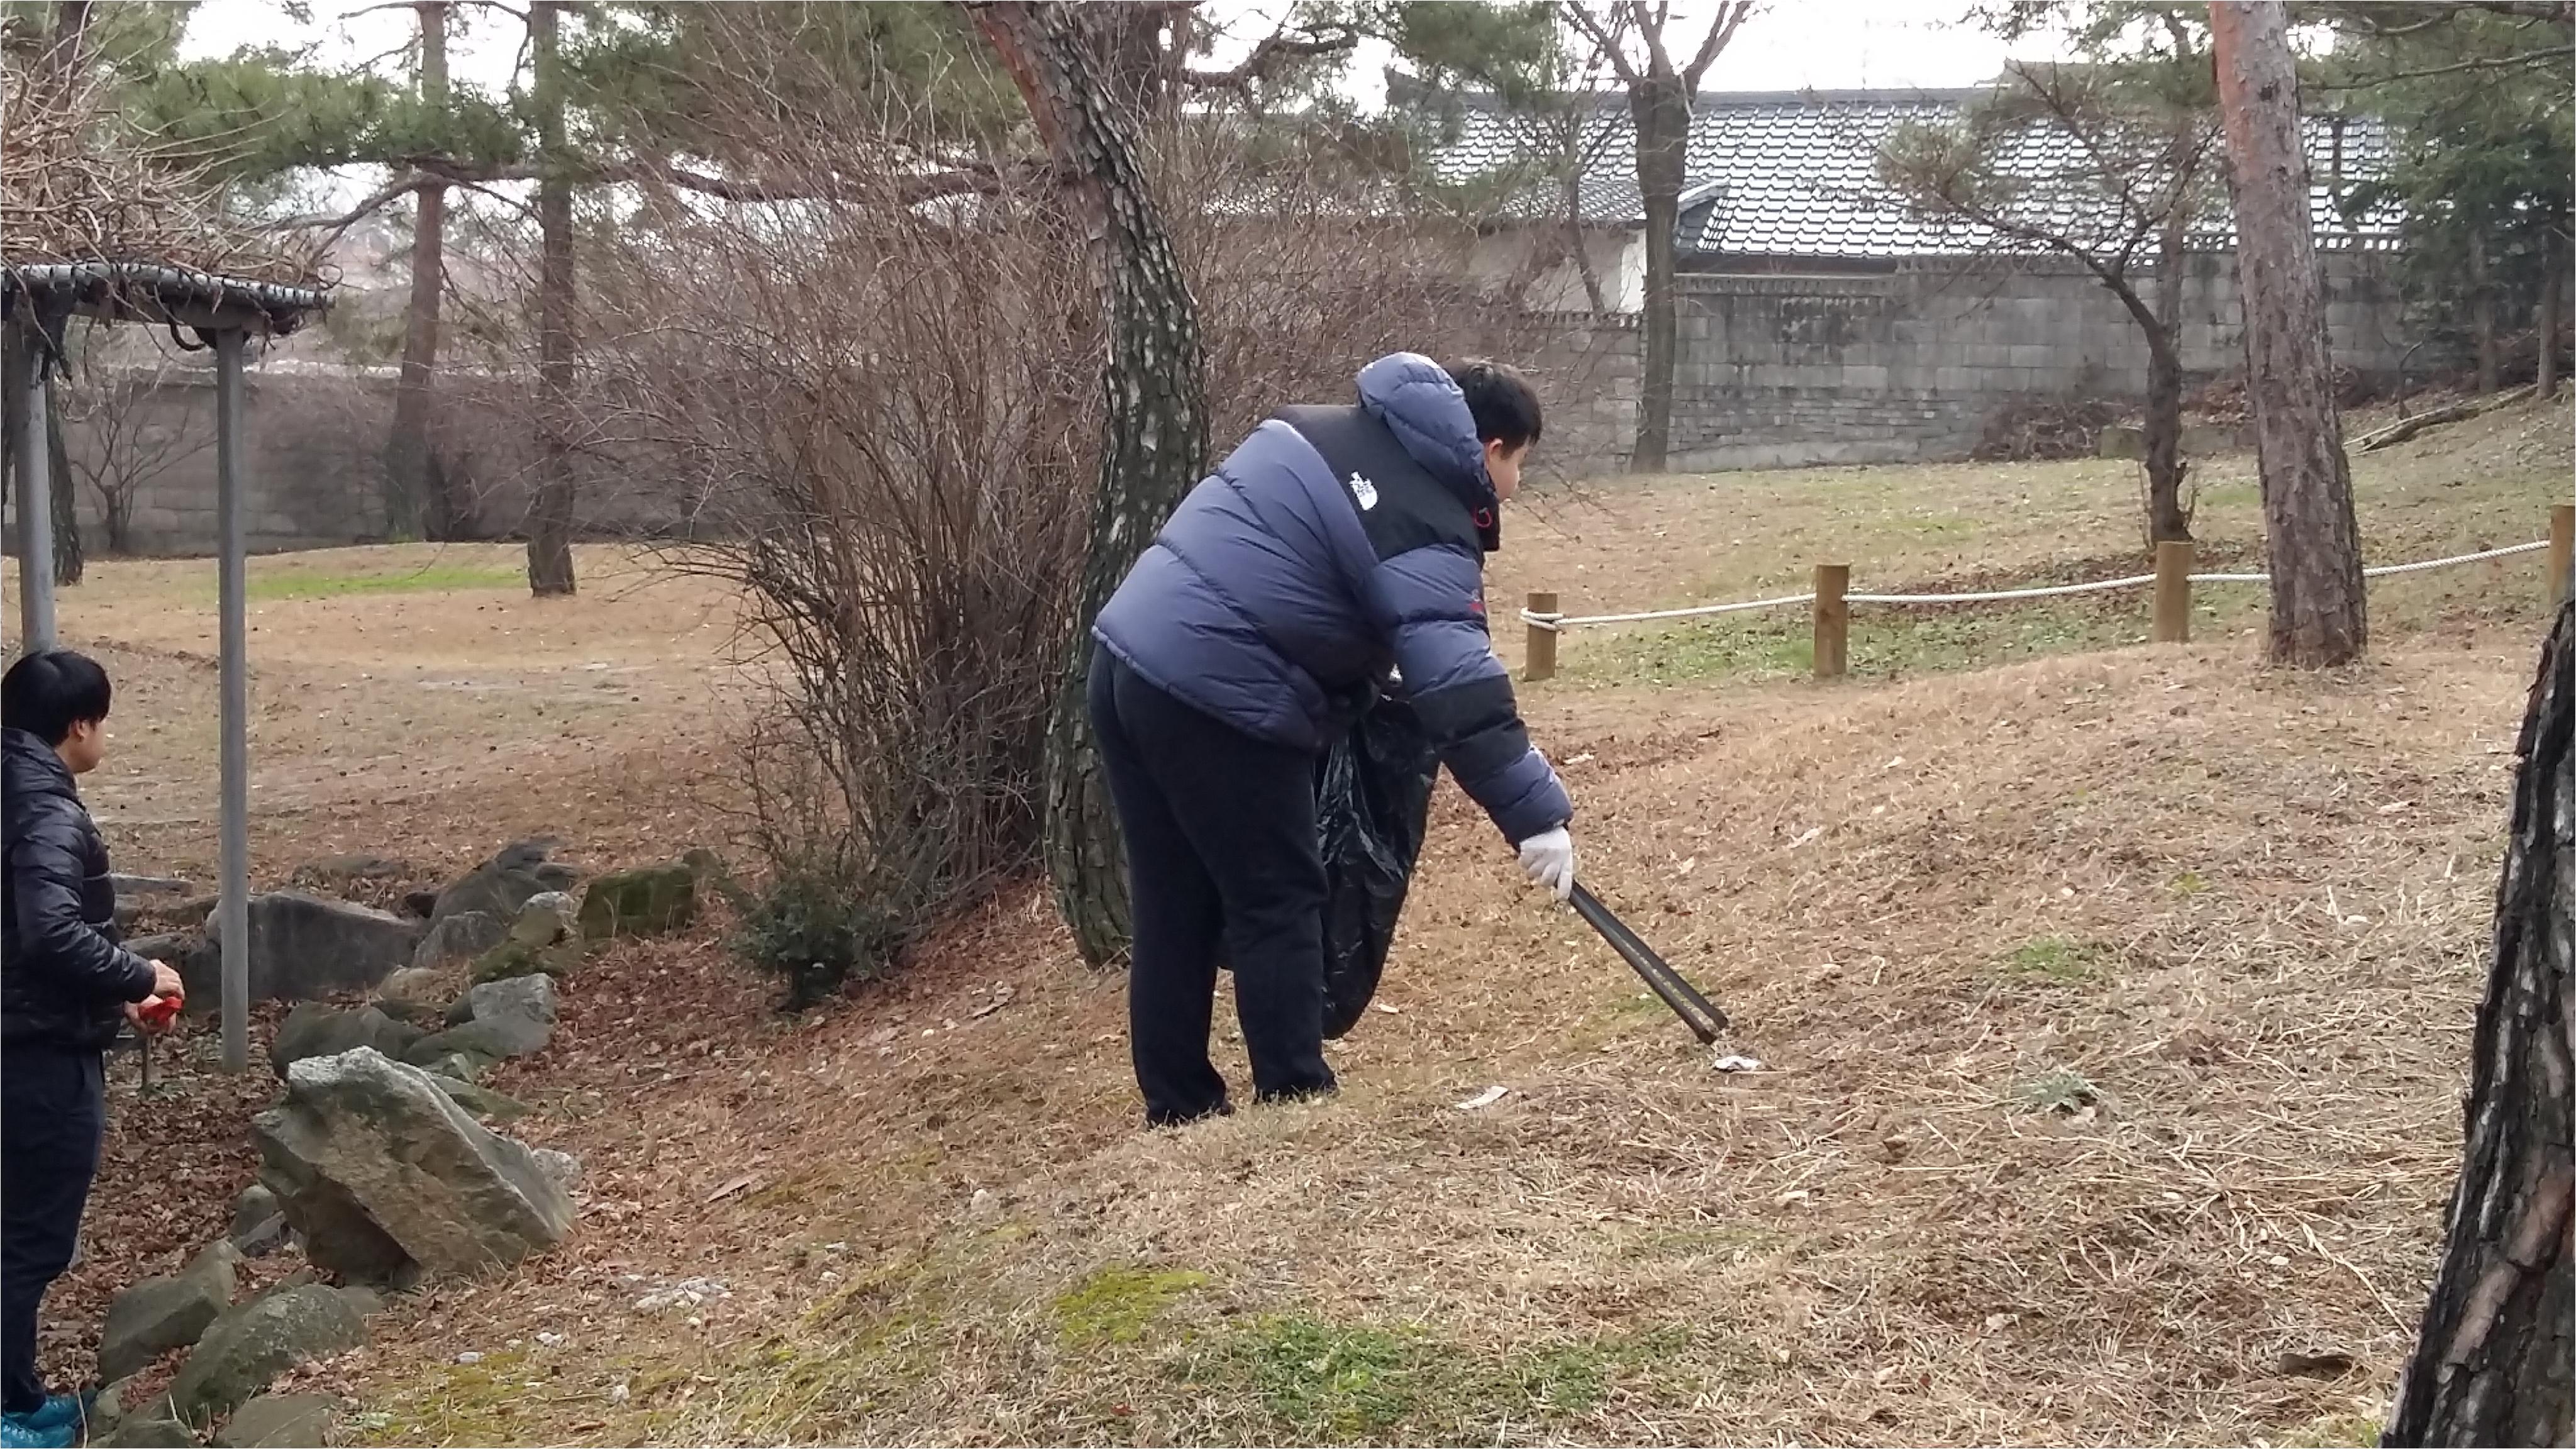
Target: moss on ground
[1116, 1304]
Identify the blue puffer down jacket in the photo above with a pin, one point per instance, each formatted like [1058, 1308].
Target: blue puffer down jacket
[1334, 544]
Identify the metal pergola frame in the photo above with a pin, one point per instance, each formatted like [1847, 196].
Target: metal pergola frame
[36, 301]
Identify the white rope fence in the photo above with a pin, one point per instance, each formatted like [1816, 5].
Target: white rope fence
[1554, 622]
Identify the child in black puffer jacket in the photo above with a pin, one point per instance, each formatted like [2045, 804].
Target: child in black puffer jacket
[66, 986]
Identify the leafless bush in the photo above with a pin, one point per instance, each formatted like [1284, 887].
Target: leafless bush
[883, 406]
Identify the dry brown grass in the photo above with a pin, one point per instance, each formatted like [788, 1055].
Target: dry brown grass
[2113, 1009]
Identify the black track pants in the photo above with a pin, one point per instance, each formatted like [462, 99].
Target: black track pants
[1222, 863]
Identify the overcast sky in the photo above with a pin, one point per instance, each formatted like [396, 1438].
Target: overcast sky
[1823, 44]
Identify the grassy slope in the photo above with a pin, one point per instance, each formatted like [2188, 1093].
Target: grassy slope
[2113, 1008]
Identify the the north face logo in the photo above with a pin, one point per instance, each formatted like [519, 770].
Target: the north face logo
[1365, 491]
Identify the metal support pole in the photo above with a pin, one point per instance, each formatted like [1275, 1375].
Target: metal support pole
[233, 911]
[35, 507]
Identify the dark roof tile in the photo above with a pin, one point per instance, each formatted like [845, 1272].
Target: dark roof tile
[1795, 173]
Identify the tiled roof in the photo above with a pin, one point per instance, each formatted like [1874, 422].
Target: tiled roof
[1795, 173]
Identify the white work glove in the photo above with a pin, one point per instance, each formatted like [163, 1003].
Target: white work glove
[1548, 858]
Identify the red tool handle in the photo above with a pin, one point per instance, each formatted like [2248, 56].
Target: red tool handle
[161, 1010]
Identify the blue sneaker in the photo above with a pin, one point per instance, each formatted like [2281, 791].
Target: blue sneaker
[60, 1409]
[24, 1431]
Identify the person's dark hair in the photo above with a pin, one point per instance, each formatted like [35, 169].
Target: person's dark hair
[1505, 405]
[51, 690]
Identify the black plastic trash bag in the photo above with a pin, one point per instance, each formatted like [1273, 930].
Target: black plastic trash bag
[1372, 803]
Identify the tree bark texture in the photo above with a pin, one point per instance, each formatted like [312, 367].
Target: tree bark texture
[2553, 300]
[414, 503]
[2161, 433]
[2319, 609]
[2495, 1362]
[62, 65]
[1154, 439]
[550, 570]
[1661, 110]
[68, 555]
[2482, 324]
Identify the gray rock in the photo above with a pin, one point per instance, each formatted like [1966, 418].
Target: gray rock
[128, 886]
[652, 900]
[306, 947]
[160, 1314]
[481, 1101]
[501, 885]
[461, 936]
[546, 919]
[340, 870]
[280, 1421]
[419, 995]
[456, 1066]
[420, 903]
[157, 1428]
[526, 998]
[170, 946]
[250, 1346]
[388, 1178]
[259, 1224]
[2121, 440]
[562, 1167]
[109, 1405]
[315, 1030]
[496, 1039]
[255, 1206]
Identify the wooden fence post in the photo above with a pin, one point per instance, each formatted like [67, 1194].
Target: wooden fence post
[2562, 550]
[1541, 654]
[2173, 591]
[1833, 620]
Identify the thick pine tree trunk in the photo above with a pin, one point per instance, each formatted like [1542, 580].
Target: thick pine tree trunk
[2496, 1359]
[1154, 439]
[2319, 610]
[1661, 109]
[550, 521]
[414, 507]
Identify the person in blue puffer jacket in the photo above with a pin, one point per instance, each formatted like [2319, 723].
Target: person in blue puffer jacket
[1340, 548]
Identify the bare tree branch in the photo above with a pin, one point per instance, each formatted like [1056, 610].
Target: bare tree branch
[1720, 31]
[1606, 31]
[1275, 47]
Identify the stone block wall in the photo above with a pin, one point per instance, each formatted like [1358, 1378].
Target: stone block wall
[314, 462]
[1787, 370]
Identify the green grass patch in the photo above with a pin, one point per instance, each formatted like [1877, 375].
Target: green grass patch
[2056, 961]
[2059, 1091]
[1886, 642]
[1117, 1304]
[1312, 1381]
[2188, 884]
[266, 587]
[452, 1403]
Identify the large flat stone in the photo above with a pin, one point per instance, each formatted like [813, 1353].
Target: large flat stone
[305, 947]
[388, 1179]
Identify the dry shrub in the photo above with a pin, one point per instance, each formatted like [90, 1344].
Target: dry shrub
[885, 410]
[889, 413]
